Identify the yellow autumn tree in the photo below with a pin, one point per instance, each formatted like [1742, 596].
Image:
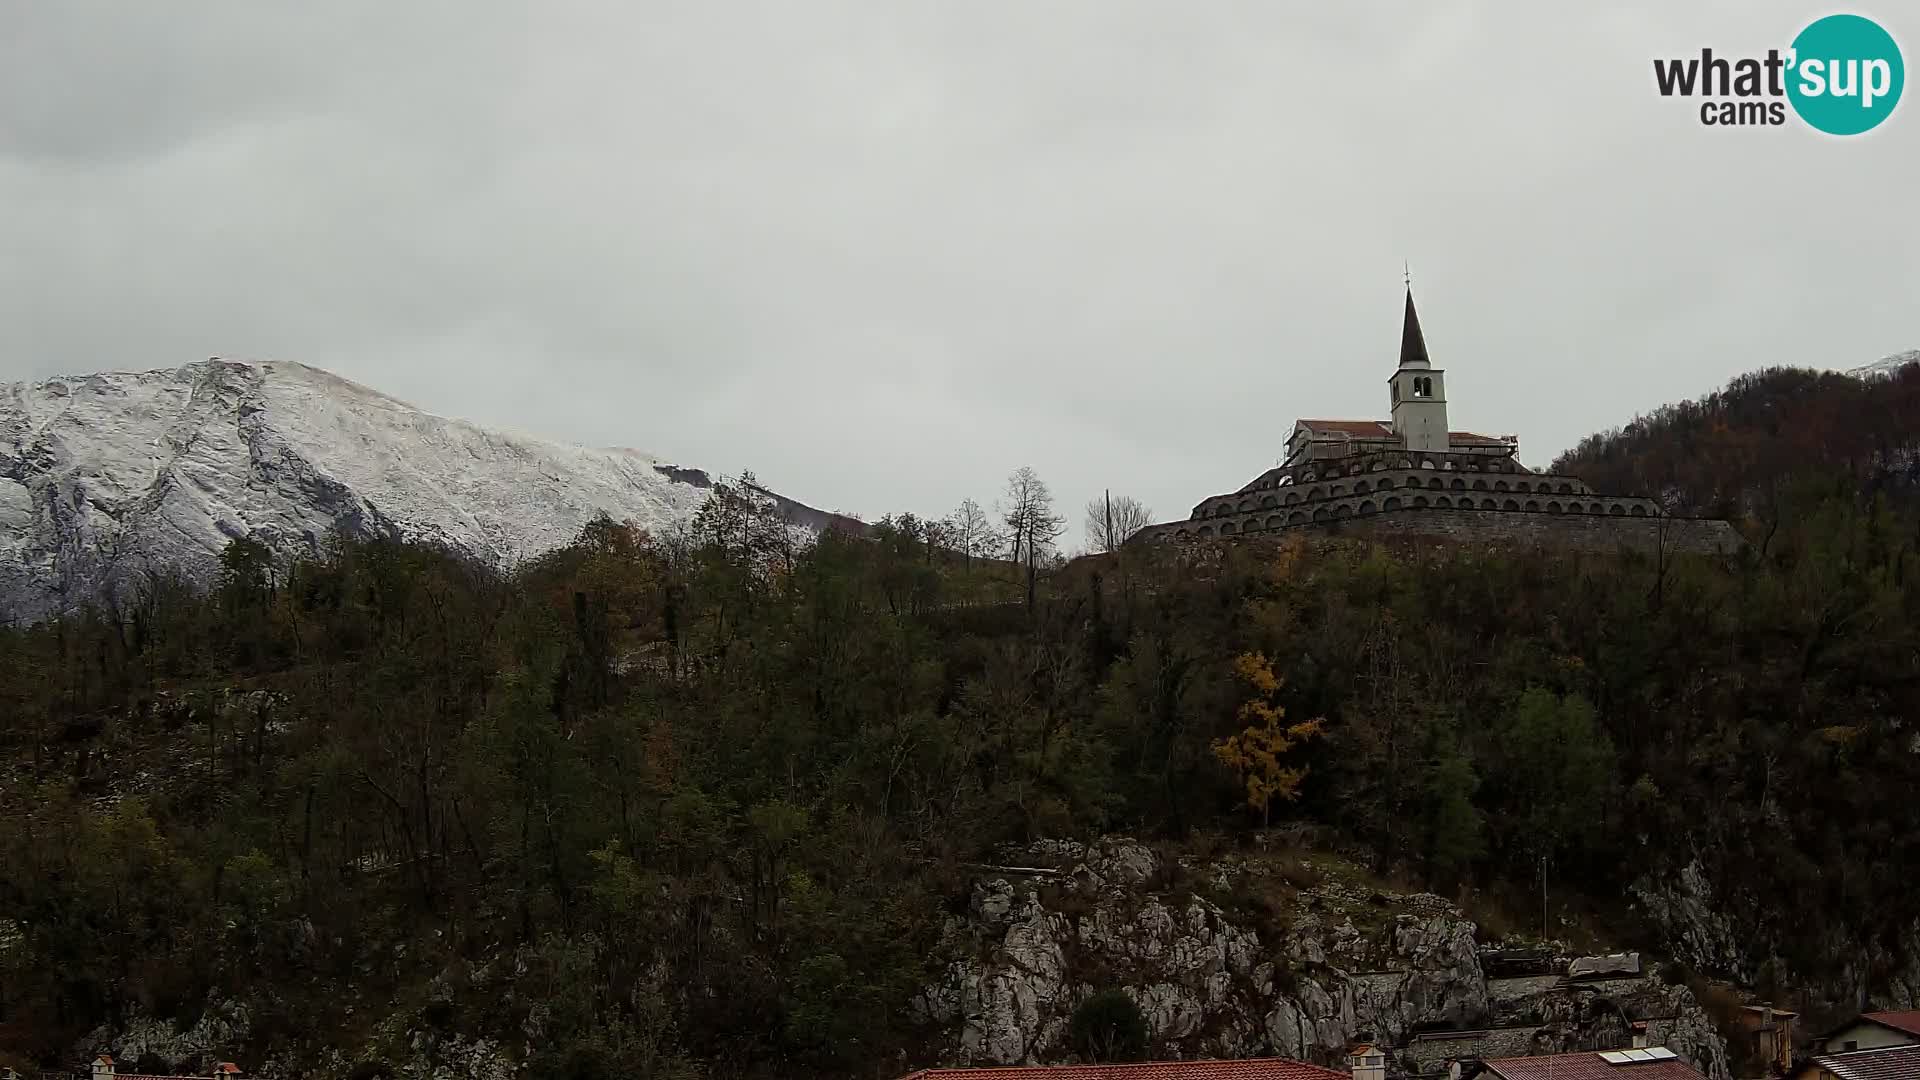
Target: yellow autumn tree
[1255, 754]
[1288, 556]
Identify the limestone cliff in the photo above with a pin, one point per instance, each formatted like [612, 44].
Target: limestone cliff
[1740, 938]
[1217, 976]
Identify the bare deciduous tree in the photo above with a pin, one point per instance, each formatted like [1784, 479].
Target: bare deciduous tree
[1114, 518]
[1032, 526]
[970, 531]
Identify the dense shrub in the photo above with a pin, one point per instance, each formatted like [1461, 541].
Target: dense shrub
[1108, 1027]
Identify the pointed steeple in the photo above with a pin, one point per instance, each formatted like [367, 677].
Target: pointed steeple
[1418, 391]
[1413, 344]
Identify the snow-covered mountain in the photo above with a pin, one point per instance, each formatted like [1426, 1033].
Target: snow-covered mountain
[1888, 366]
[108, 476]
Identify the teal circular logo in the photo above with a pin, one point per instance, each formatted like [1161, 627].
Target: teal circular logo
[1846, 74]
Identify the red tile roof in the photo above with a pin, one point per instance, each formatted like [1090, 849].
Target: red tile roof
[1249, 1069]
[1908, 1021]
[1381, 429]
[1880, 1063]
[1589, 1066]
[1371, 429]
[225, 1068]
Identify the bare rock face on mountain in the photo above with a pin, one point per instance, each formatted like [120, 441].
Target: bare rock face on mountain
[108, 479]
[1241, 958]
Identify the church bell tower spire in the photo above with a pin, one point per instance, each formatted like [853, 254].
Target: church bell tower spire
[1418, 389]
[1413, 344]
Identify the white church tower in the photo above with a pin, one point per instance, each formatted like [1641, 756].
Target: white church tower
[1419, 391]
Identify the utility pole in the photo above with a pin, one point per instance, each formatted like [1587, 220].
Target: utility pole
[1546, 933]
[1106, 538]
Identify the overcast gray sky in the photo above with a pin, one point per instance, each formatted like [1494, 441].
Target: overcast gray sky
[883, 252]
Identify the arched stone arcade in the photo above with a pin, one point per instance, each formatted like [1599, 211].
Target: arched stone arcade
[1285, 497]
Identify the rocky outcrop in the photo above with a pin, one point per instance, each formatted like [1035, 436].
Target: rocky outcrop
[222, 1026]
[1343, 961]
[403, 1048]
[1699, 928]
[1613, 965]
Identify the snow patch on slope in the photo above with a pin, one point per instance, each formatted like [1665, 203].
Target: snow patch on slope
[111, 476]
[1887, 366]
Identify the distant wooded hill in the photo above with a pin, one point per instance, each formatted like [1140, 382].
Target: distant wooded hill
[1730, 453]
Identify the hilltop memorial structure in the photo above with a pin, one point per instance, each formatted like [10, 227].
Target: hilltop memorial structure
[1412, 474]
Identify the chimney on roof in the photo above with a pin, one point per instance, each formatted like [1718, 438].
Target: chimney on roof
[103, 1067]
[1367, 1061]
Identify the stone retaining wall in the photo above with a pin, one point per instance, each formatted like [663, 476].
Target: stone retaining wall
[1583, 532]
[1431, 1053]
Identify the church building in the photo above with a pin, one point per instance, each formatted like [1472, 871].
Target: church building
[1418, 415]
[1413, 474]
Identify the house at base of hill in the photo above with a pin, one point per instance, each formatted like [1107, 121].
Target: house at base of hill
[1900, 1061]
[1644, 1063]
[1870, 1031]
[103, 1068]
[1769, 1032]
[1365, 1063]
[1871, 1046]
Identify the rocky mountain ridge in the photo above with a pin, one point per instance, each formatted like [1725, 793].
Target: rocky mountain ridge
[108, 477]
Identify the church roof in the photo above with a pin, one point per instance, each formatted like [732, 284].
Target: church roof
[1366, 429]
[1381, 429]
[1413, 344]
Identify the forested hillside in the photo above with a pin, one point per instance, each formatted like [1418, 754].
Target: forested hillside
[1734, 452]
[709, 797]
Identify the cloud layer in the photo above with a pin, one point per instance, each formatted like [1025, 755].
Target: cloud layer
[882, 253]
